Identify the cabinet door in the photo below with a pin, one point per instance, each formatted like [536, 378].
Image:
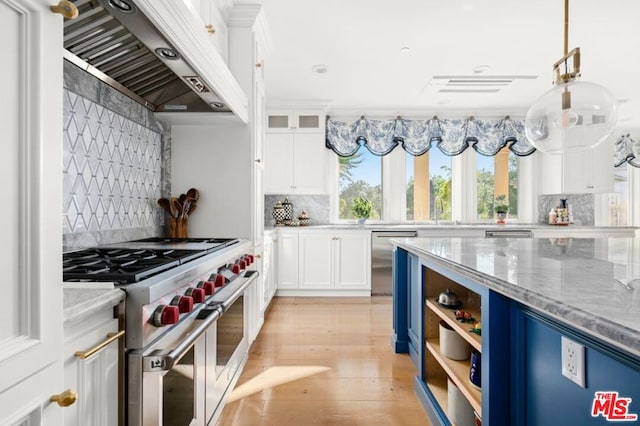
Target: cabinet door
[309, 155]
[352, 261]
[278, 164]
[258, 181]
[589, 171]
[288, 261]
[308, 121]
[279, 121]
[96, 377]
[31, 367]
[316, 261]
[215, 26]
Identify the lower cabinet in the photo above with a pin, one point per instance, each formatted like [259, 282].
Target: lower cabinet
[317, 263]
[91, 368]
[542, 395]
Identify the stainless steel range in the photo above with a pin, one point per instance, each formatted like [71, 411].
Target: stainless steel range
[186, 328]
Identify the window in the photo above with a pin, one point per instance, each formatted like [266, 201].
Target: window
[428, 180]
[360, 175]
[497, 175]
[618, 200]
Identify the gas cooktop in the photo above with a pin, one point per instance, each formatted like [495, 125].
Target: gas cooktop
[122, 265]
[133, 261]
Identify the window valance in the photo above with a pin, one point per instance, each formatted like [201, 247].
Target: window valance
[452, 137]
[627, 150]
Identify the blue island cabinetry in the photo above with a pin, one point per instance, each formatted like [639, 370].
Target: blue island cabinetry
[521, 380]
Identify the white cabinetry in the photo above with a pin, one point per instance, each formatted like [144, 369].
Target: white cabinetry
[327, 263]
[268, 269]
[589, 171]
[31, 368]
[300, 121]
[215, 26]
[91, 356]
[287, 261]
[295, 154]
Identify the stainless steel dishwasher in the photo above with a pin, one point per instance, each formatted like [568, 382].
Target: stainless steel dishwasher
[381, 259]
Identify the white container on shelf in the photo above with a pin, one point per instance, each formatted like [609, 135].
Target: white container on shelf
[452, 345]
[460, 410]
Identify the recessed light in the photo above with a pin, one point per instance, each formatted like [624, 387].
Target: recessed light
[405, 49]
[121, 5]
[166, 53]
[320, 68]
[217, 104]
[444, 101]
[481, 69]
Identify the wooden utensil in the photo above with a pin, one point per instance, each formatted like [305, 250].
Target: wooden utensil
[193, 193]
[176, 207]
[165, 204]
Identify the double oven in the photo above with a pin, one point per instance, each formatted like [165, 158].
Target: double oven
[186, 327]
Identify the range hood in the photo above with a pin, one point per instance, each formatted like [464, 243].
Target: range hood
[149, 51]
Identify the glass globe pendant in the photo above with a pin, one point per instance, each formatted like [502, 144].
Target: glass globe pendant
[574, 115]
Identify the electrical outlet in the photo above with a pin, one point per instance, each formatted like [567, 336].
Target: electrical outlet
[572, 361]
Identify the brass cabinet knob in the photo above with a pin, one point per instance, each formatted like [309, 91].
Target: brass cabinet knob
[66, 9]
[210, 29]
[259, 65]
[65, 398]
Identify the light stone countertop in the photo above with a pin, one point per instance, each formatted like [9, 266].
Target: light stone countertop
[449, 226]
[79, 304]
[590, 284]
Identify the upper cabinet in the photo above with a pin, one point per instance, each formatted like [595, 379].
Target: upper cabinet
[216, 27]
[296, 121]
[589, 171]
[295, 153]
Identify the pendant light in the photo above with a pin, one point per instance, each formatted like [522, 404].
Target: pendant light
[574, 115]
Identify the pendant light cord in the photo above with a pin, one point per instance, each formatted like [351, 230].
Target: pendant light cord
[566, 27]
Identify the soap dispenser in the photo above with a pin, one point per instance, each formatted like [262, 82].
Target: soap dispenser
[553, 216]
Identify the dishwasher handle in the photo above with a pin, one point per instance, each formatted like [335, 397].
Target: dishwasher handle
[509, 234]
[394, 234]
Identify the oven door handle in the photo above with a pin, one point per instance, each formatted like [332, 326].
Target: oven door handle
[164, 360]
[250, 276]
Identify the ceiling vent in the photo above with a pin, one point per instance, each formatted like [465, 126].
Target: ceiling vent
[475, 83]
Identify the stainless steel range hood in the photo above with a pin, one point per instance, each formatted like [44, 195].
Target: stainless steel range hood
[115, 41]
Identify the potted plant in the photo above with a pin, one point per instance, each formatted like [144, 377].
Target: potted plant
[361, 208]
[501, 207]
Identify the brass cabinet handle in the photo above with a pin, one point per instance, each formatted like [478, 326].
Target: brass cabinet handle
[66, 9]
[210, 29]
[110, 338]
[259, 65]
[258, 256]
[65, 398]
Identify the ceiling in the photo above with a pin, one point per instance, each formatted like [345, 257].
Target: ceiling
[360, 43]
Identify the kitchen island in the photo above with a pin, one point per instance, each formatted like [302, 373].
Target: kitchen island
[535, 299]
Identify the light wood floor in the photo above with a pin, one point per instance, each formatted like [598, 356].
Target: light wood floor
[365, 383]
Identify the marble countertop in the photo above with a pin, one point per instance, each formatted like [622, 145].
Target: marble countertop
[449, 226]
[590, 284]
[80, 303]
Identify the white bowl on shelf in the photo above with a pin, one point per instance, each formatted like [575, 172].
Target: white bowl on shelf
[460, 410]
[452, 345]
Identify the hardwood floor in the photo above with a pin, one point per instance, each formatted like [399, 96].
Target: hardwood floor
[326, 361]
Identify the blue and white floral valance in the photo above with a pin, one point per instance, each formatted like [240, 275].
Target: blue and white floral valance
[627, 150]
[452, 137]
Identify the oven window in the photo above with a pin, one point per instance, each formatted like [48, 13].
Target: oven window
[230, 331]
[178, 392]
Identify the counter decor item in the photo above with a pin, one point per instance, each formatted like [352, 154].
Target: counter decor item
[361, 209]
[179, 209]
[501, 207]
[452, 345]
[304, 218]
[288, 209]
[279, 214]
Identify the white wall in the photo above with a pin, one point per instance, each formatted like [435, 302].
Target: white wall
[216, 160]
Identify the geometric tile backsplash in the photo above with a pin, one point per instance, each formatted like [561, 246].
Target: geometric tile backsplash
[112, 169]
